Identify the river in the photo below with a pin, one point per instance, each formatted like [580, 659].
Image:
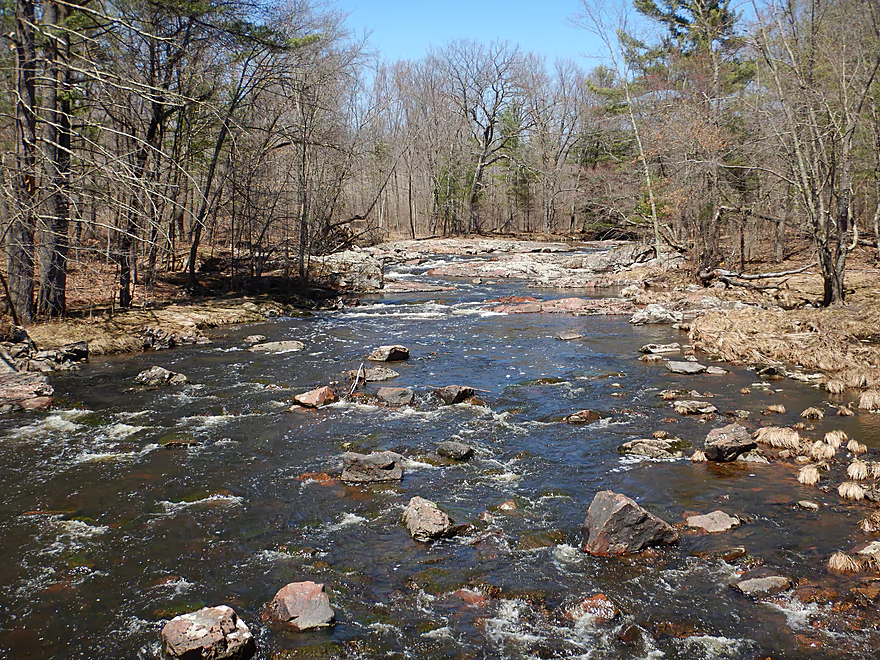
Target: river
[107, 534]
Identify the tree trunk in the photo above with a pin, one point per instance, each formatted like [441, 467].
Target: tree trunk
[54, 238]
[20, 237]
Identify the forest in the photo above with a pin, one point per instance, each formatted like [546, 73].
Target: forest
[148, 138]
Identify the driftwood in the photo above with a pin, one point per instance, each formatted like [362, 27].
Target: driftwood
[357, 379]
[729, 274]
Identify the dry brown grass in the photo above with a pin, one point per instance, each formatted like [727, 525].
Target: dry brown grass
[821, 452]
[828, 340]
[777, 408]
[699, 457]
[836, 438]
[779, 437]
[840, 562]
[871, 524]
[857, 470]
[851, 490]
[812, 413]
[869, 400]
[120, 333]
[856, 447]
[809, 475]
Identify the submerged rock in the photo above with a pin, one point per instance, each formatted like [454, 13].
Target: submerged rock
[425, 521]
[393, 353]
[616, 525]
[302, 606]
[160, 376]
[654, 447]
[596, 609]
[378, 466]
[687, 368]
[321, 396]
[655, 314]
[395, 396]
[727, 442]
[714, 522]
[212, 633]
[452, 394]
[457, 451]
[288, 346]
[763, 586]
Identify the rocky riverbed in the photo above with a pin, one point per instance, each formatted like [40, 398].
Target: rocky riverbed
[303, 500]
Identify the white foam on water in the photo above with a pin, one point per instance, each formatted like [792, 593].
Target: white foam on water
[412, 464]
[798, 615]
[717, 648]
[506, 477]
[178, 587]
[346, 520]
[57, 422]
[121, 430]
[507, 625]
[439, 633]
[211, 500]
[384, 628]
[104, 457]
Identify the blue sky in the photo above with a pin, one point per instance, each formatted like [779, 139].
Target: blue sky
[405, 30]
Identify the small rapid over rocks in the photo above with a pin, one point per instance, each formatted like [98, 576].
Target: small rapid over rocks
[124, 507]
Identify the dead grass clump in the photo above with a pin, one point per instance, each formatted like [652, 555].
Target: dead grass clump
[745, 390]
[856, 379]
[856, 447]
[871, 524]
[840, 562]
[844, 411]
[819, 451]
[775, 408]
[835, 386]
[812, 413]
[857, 470]
[660, 434]
[869, 400]
[809, 475]
[874, 466]
[779, 437]
[836, 438]
[699, 457]
[851, 490]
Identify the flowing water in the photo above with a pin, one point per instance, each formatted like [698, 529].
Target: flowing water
[107, 534]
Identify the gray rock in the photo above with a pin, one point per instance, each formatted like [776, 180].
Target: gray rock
[393, 353]
[654, 447]
[288, 346]
[452, 394]
[714, 522]
[716, 371]
[808, 505]
[616, 525]
[255, 339]
[569, 335]
[754, 456]
[214, 633]
[727, 442]
[395, 396]
[425, 521]
[687, 368]
[694, 408]
[655, 314]
[350, 270]
[369, 468]
[373, 374]
[75, 352]
[763, 586]
[159, 376]
[302, 606]
[660, 348]
[457, 451]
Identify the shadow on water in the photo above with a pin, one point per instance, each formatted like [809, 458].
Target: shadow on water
[107, 533]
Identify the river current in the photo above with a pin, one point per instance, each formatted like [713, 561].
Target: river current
[107, 533]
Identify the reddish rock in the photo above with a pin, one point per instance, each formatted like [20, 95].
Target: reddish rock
[616, 525]
[322, 396]
[301, 606]
[595, 609]
[582, 417]
[28, 390]
[212, 633]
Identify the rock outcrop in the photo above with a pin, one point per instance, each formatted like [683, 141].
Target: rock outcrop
[425, 521]
[317, 398]
[457, 451]
[393, 353]
[300, 606]
[24, 391]
[655, 314]
[350, 270]
[395, 396]
[452, 394]
[654, 447]
[211, 633]
[160, 376]
[726, 443]
[616, 525]
[378, 466]
[714, 522]
[287, 346]
[687, 368]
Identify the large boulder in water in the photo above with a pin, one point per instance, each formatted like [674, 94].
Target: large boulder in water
[369, 468]
[287, 346]
[395, 396]
[452, 394]
[728, 442]
[301, 606]
[214, 633]
[351, 270]
[321, 396]
[425, 521]
[159, 376]
[616, 525]
[655, 314]
[457, 451]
